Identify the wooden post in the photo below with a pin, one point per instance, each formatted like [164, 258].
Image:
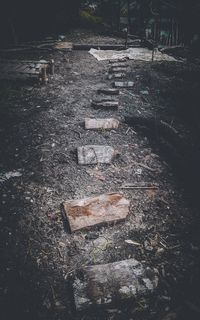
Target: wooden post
[126, 38]
[52, 67]
[44, 75]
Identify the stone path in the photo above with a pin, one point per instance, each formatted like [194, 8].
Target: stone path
[88, 212]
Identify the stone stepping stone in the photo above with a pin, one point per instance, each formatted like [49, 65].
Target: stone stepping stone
[118, 65]
[108, 91]
[109, 123]
[105, 104]
[105, 99]
[118, 60]
[123, 84]
[118, 69]
[91, 211]
[116, 76]
[94, 154]
[112, 283]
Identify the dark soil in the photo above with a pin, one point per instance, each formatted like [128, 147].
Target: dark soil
[40, 129]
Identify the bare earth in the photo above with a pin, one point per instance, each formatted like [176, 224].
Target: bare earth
[41, 128]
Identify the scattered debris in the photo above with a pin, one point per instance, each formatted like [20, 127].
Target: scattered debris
[96, 174]
[133, 242]
[94, 154]
[142, 186]
[143, 166]
[110, 123]
[167, 125]
[92, 236]
[9, 175]
[22, 69]
[112, 283]
[87, 212]
[144, 92]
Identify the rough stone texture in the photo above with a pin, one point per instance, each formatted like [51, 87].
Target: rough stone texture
[116, 76]
[109, 123]
[118, 69]
[94, 154]
[118, 60]
[112, 283]
[64, 46]
[118, 65]
[82, 213]
[123, 84]
[108, 91]
[106, 104]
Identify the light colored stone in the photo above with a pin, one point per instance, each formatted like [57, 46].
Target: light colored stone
[123, 84]
[109, 123]
[113, 283]
[64, 45]
[118, 69]
[116, 76]
[87, 212]
[118, 65]
[94, 154]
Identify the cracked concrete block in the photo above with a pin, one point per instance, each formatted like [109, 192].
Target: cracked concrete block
[116, 75]
[108, 91]
[109, 104]
[118, 69]
[94, 154]
[109, 123]
[87, 212]
[123, 84]
[102, 285]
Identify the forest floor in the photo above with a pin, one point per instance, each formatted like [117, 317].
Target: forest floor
[41, 128]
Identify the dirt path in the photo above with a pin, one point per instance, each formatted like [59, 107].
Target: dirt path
[41, 128]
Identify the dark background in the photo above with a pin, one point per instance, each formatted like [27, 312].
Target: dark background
[22, 20]
[35, 19]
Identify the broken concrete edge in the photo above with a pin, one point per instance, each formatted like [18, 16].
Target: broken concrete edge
[108, 91]
[105, 105]
[116, 76]
[111, 284]
[96, 154]
[118, 60]
[123, 84]
[108, 100]
[89, 227]
[117, 70]
[101, 124]
[70, 223]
